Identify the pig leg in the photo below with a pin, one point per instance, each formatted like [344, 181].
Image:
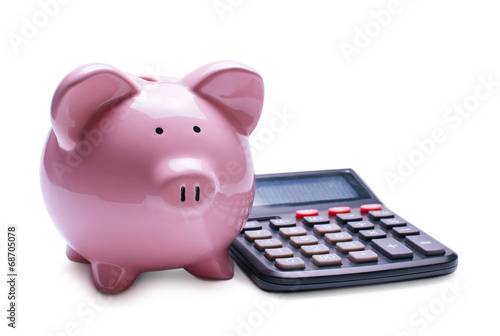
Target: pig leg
[112, 278]
[218, 267]
[75, 256]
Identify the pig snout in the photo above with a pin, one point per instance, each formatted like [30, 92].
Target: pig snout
[193, 189]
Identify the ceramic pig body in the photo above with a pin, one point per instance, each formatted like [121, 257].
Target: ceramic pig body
[143, 174]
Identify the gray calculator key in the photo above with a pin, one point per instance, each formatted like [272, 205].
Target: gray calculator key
[290, 263]
[292, 231]
[359, 257]
[278, 223]
[404, 231]
[312, 220]
[389, 223]
[298, 241]
[309, 250]
[273, 253]
[425, 245]
[330, 259]
[391, 248]
[262, 244]
[252, 225]
[346, 247]
[321, 229]
[359, 225]
[379, 214]
[343, 218]
[372, 234]
[334, 238]
[251, 235]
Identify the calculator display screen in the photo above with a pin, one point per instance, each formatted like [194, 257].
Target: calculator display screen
[303, 190]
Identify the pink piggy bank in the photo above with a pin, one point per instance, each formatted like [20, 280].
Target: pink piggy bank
[142, 174]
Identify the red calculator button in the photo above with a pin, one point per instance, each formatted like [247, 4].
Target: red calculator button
[338, 210]
[370, 207]
[306, 212]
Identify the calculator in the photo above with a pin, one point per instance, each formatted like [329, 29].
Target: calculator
[327, 229]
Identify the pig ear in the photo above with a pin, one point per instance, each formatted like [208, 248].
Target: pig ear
[234, 88]
[82, 94]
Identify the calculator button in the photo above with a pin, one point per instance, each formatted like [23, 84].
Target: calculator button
[356, 226]
[262, 244]
[309, 250]
[306, 212]
[326, 259]
[251, 235]
[281, 222]
[334, 238]
[425, 245]
[292, 231]
[251, 225]
[298, 241]
[379, 214]
[273, 253]
[350, 246]
[404, 231]
[347, 217]
[289, 263]
[321, 229]
[389, 223]
[391, 248]
[372, 234]
[337, 210]
[370, 207]
[312, 220]
[362, 256]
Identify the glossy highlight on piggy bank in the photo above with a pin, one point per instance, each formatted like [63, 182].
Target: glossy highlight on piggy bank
[142, 173]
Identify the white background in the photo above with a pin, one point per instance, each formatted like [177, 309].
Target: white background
[366, 112]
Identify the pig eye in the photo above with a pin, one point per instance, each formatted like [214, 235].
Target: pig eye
[159, 130]
[197, 129]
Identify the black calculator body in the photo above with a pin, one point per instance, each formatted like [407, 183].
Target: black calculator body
[327, 229]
